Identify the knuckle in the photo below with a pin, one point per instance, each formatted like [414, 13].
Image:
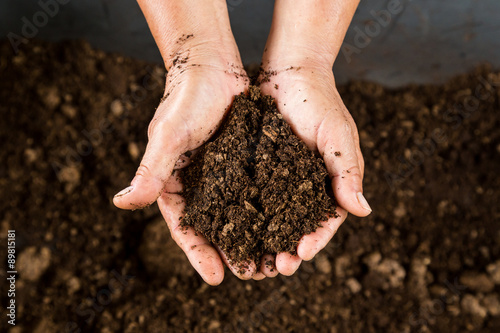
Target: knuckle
[348, 173]
[159, 127]
[143, 170]
[331, 229]
[178, 234]
[174, 137]
[354, 171]
[152, 126]
[348, 129]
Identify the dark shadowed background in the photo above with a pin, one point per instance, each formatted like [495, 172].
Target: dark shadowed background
[393, 42]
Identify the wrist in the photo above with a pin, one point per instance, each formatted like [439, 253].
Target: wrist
[281, 57]
[304, 34]
[197, 50]
[190, 28]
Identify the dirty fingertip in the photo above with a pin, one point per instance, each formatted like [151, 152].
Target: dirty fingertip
[287, 264]
[213, 278]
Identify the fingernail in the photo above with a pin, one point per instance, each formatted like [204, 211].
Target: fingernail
[362, 201]
[124, 191]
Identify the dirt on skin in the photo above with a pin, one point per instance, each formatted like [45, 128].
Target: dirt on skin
[73, 130]
[256, 188]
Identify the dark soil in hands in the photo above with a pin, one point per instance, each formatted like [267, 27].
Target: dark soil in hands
[256, 188]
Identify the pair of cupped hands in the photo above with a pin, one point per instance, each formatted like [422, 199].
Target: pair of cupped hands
[198, 94]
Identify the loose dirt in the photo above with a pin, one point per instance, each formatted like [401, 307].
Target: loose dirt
[256, 188]
[73, 129]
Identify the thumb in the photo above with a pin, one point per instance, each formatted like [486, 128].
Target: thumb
[344, 162]
[156, 167]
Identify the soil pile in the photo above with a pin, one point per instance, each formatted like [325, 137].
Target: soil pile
[73, 129]
[256, 188]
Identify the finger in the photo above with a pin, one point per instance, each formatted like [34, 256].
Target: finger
[174, 183]
[182, 162]
[243, 270]
[287, 263]
[185, 159]
[162, 151]
[258, 276]
[310, 245]
[337, 145]
[268, 266]
[201, 254]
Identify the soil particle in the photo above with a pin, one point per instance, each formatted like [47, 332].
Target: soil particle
[69, 110]
[256, 188]
[73, 284]
[478, 282]
[385, 274]
[265, 76]
[493, 270]
[117, 108]
[470, 305]
[70, 175]
[400, 210]
[342, 266]
[134, 150]
[49, 96]
[372, 259]
[31, 155]
[418, 277]
[353, 285]
[323, 263]
[492, 303]
[33, 262]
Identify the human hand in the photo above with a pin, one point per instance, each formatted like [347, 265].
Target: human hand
[309, 101]
[302, 46]
[204, 75]
[198, 93]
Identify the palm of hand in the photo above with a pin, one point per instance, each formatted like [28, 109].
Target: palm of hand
[310, 103]
[196, 100]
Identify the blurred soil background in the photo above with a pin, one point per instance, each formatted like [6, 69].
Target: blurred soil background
[73, 130]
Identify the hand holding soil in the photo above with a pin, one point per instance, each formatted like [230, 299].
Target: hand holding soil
[196, 99]
[310, 103]
[206, 92]
[204, 74]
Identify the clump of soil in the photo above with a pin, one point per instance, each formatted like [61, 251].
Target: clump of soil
[256, 188]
